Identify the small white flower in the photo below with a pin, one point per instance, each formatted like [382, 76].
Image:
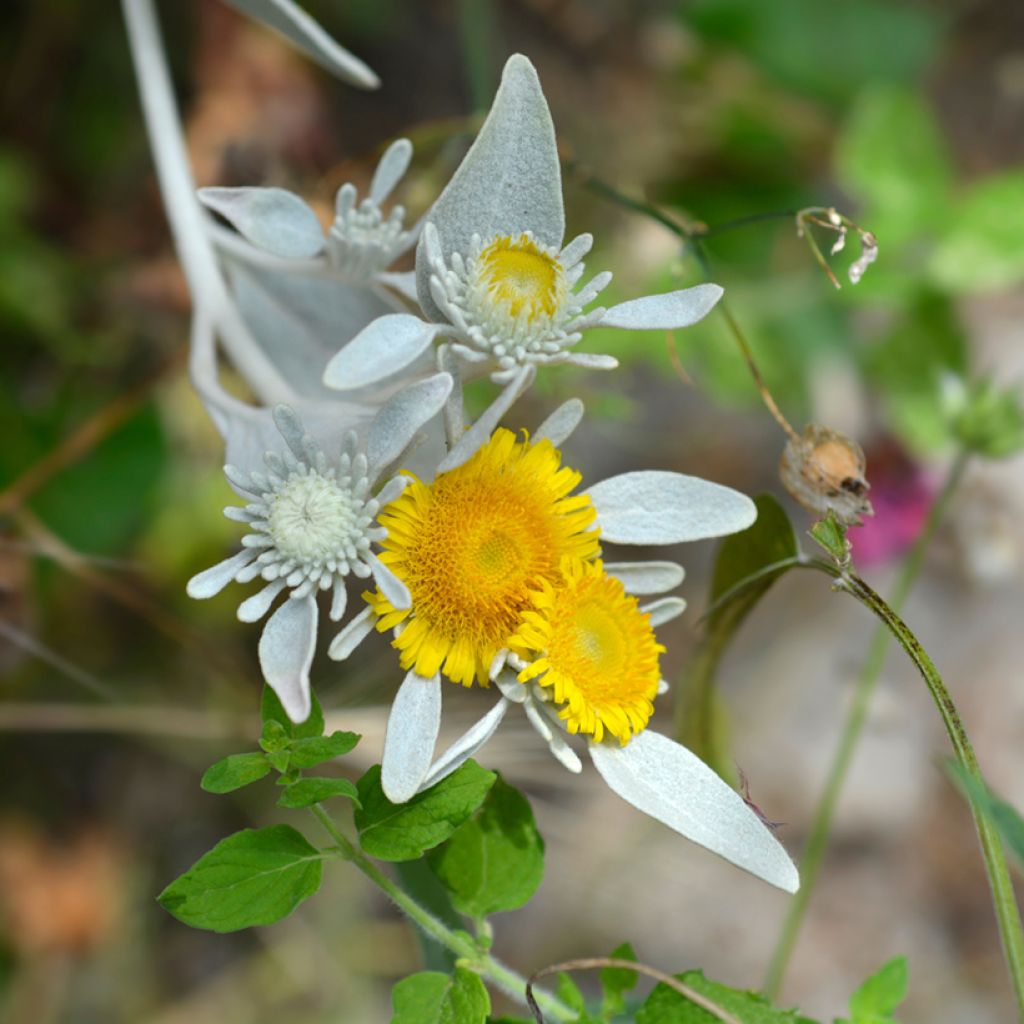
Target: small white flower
[312, 523]
[361, 244]
[492, 272]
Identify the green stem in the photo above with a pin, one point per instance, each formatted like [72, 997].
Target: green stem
[821, 824]
[460, 943]
[1004, 900]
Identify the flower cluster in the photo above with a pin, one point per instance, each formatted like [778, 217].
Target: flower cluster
[489, 559]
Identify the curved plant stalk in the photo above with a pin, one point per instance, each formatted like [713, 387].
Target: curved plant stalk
[594, 962]
[1004, 900]
[821, 823]
[468, 952]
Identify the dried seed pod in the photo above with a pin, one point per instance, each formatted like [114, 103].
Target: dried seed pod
[824, 470]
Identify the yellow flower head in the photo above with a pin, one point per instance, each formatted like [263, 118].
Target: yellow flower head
[594, 649]
[472, 547]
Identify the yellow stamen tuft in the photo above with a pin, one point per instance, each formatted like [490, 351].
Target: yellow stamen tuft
[522, 277]
[472, 546]
[595, 650]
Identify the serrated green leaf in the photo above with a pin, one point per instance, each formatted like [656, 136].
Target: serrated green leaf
[234, 772]
[280, 759]
[274, 738]
[666, 1006]
[404, 831]
[272, 711]
[495, 861]
[314, 750]
[253, 877]
[982, 249]
[741, 577]
[307, 792]
[831, 535]
[880, 994]
[615, 981]
[1004, 816]
[430, 997]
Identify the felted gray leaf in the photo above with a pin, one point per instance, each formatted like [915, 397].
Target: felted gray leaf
[273, 219]
[306, 35]
[509, 182]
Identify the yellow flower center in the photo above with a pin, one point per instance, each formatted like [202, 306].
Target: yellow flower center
[521, 276]
[472, 546]
[595, 649]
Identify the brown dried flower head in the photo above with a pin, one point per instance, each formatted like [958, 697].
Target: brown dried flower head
[824, 470]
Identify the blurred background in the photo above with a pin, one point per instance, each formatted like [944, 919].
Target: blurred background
[118, 691]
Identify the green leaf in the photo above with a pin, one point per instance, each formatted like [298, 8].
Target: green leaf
[891, 156]
[495, 861]
[308, 753]
[617, 980]
[568, 991]
[666, 1006]
[272, 711]
[404, 831]
[831, 535]
[307, 792]
[1003, 815]
[742, 576]
[907, 366]
[982, 248]
[234, 772]
[430, 997]
[254, 877]
[879, 996]
[98, 503]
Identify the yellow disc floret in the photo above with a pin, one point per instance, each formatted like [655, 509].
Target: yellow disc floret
[522, 278]
[594, 649]
[472, 546]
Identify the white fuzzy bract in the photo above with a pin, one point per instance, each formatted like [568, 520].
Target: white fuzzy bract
[494, 315]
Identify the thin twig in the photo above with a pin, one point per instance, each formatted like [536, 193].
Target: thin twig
[590, 963]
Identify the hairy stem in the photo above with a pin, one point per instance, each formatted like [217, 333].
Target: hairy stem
[460, 943]
[821, 823]
[1004, 900]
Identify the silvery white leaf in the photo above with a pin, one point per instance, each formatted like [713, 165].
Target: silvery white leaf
[306, 35]
[474, 438]
[664, 312]
[656, 507]
[393, 165]
[672, 785]
[286, 652]
[273, 219]
[403, 282]
[352, 635]
[509, 182]
[467, 745]
[646, 577]
[410, 737]
[394, 427]
[300, 319]
[664, 610]
[213, 580]
[558, 427]
[379, 351]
